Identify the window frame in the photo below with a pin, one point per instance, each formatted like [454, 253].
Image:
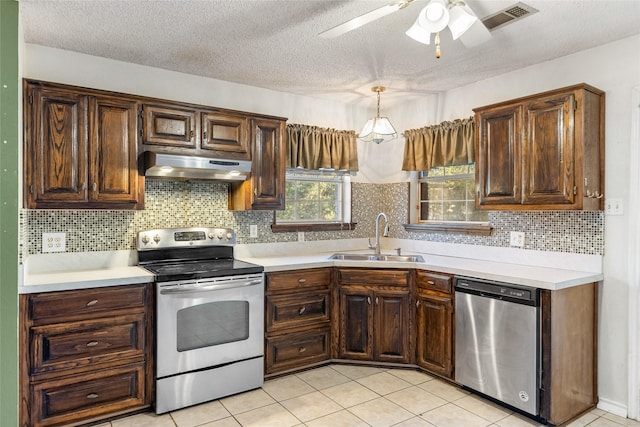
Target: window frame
[323, 175]
[437, 226]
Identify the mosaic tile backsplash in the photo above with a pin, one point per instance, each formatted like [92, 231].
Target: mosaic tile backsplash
[204, 203]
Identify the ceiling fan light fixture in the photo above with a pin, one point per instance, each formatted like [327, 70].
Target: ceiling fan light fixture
[460, 20]
[418, 33]
[434, 17]
[377, 129]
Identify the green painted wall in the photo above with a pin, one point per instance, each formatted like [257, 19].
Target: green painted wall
[9, 92]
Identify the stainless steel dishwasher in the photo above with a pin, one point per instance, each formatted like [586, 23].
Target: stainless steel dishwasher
[497, 341]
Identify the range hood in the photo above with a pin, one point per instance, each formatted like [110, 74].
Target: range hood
[177, 166]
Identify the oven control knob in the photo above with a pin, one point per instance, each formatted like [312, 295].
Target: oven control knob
[229, 236]
[145, 239]
[156, 238]
[211, 236]
[220, 235]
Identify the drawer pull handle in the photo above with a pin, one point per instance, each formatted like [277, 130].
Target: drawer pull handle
[302, 349]
[302, 310]
[92, 303]
[431, 282]
[302, 280]
[92, 395]
[92, 343]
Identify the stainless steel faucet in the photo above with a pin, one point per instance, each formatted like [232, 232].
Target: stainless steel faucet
[385, 233]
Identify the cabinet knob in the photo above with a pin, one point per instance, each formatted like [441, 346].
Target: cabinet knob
[302, 349]
[92, 343]
[255, 191]
[92, 303]
[302, 310]
[94, 186]
[369, 300]
[418, 303]
[431, 282]
[92, 395]
[302, 280]
[376, 300]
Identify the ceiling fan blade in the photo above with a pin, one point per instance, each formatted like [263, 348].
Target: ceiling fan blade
[475, 35]
[361, 20]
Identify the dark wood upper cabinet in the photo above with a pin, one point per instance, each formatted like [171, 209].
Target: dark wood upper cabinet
[227, 133]
[55, 146]
[265, 188]
[169, 126]
[80, 149]
[544, 151]
[113, 153]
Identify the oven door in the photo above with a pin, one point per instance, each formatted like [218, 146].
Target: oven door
[209, 322]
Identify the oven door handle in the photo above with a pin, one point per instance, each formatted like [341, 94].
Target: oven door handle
[184, 289]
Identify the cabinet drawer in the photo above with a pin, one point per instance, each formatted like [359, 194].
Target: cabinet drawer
[298, 279]
[297, 310]
[81, 397]
[86, 303]
[354, 276]
[434, 282]
[169, 125]
[70, 345]
[299, 349]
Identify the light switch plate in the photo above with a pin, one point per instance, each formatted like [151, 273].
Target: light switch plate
[54, 242]
[253, 230]
[613, 207]
[300, 236]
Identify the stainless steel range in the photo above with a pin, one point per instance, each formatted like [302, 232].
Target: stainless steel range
[209, 317]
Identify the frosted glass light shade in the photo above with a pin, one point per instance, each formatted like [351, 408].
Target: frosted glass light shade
[376, 129]
[434, 17]
[461, 19]
[418, 33]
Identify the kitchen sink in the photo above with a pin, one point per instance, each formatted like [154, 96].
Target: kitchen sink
[371, 257]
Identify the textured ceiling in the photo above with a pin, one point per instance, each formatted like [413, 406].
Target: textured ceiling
[274, 43]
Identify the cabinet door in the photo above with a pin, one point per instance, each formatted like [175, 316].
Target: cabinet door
[548, 167]
[113, 153]
[170, 126]
[391, 326]
[223, 132]
[498, 133]
[268, 165]
[56, 147]
[356, 323]
[435, 336]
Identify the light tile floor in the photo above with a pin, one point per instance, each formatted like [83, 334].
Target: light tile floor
[354, 396]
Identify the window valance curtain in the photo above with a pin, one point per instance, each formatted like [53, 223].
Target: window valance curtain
[312, 147]
[444, 144]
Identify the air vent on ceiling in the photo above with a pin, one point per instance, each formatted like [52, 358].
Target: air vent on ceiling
[508, 15]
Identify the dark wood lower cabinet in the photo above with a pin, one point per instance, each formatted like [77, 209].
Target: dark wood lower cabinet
[85, 354]
[434, 342]
[297, 319]
[435, 322]
[374, 315]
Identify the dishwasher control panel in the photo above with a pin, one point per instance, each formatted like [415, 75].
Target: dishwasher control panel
[498, 290]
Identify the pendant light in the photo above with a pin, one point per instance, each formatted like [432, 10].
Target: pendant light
[378, 128]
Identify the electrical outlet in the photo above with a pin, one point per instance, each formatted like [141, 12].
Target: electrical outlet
[253, 231]
[54, 242]
[300, 236]
[613, 207]
[517, 239]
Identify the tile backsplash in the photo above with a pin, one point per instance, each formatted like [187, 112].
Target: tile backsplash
[204, 203]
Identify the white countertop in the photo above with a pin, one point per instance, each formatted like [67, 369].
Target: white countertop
[539, 277]
[53, 272]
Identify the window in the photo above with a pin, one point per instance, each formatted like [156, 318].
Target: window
[316, 197]
[447, 194]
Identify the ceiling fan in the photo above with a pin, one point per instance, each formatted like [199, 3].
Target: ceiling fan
[433, 18]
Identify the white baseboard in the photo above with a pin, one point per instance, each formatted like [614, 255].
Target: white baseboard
[613, 407]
